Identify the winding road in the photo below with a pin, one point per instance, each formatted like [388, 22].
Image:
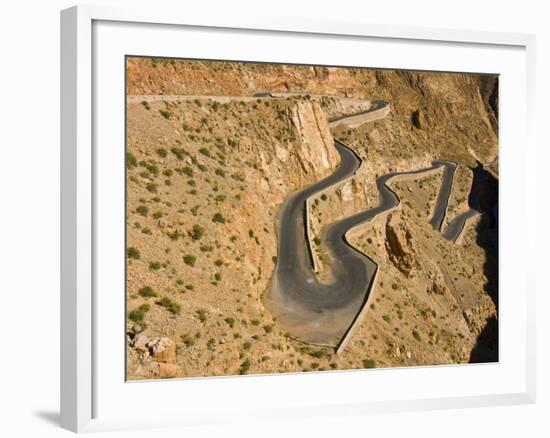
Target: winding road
[323, 313]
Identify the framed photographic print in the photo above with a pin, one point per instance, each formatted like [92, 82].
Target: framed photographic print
[336, 218]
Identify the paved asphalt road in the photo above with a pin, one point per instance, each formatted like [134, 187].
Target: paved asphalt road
[375, 106]
[321, 313]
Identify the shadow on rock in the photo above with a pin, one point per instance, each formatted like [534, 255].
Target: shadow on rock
[486, 348]
[484, 198]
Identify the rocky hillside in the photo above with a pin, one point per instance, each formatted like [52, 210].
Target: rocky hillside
[454, 114]
[206, 177]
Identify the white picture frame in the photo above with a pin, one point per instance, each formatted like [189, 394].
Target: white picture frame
[86, 405]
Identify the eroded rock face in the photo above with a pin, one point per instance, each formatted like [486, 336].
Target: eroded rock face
[164, 370]
[419, 119]
[163, 349]
[317, 144]
[399, 244]
[438, 284]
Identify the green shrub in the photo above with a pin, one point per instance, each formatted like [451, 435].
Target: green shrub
[188, 340]
[187, 171]
[318, 354]
[206, 248]
[218, 218]
[130, 160]
[152, 168]
[230, 321]
[154, 266]
[138, 314]
[161, 152]
[147, 292]
[205, 152]
[386, 318]
[174, 235]
[369, 363]
[201, 315]
[218, 276]
[218, 262]
[133, 253]
[238, 176]
[197, 232]
[165, 114]
[151, 187]
[245, 367]
[169, 305]
[189, 259]
[416, 335]
[145, 104]
[179, 153]
[142, 210]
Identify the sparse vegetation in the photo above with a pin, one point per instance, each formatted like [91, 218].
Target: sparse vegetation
[166, 114]
[137, 315]
[189, 259]
[206, 174]
[197, 232]
[202, 315]
[369, 363]
[133, 253]
[245, 367]
[151, 187]
[218, 218]
[169, 305]
[154, 266]
[142, 210]
[147, 292]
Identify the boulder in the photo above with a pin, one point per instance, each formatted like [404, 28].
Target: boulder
[163, 349]
[140, 342]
